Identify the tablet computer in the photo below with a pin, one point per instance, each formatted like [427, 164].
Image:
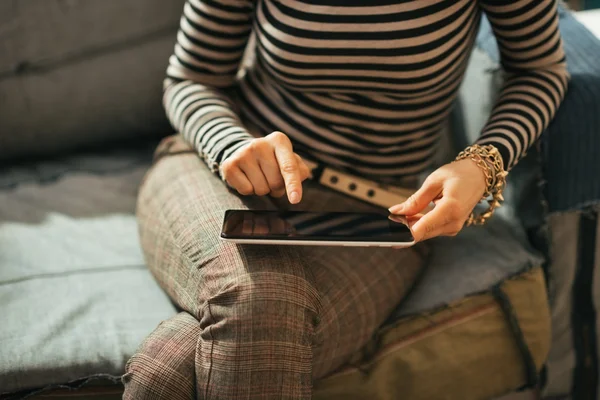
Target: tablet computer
[316, 228]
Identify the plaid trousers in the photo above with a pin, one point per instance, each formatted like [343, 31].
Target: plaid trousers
[256, 322]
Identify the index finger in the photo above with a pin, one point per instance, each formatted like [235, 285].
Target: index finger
[290, 171]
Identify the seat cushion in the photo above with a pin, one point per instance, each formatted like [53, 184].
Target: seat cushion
[465, 350]
[79, 300]
[75, 296]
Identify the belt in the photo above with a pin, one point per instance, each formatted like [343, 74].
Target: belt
[372, 192]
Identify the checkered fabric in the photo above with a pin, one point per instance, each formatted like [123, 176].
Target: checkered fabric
[257, 322]
[169, 351]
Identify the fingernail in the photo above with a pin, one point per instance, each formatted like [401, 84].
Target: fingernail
[396, 209]
[294, 197]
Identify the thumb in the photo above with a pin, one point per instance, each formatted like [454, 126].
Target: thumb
[420, 199]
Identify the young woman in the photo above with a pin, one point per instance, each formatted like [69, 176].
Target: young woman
[360, 86]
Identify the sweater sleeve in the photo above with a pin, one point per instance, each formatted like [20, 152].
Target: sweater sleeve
[532, 55]
[210, 44]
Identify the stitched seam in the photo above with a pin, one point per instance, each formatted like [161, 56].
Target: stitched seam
[69, 273]
[212, 346]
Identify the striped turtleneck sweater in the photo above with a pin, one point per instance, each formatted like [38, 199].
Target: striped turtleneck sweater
[363, 86]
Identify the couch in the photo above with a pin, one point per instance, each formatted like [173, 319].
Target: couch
[80, 115]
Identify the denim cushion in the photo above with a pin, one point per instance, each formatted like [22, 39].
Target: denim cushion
[571, 141]
[473, 261]
[75, 296]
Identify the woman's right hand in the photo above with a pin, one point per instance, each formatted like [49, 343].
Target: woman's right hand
[267, 165]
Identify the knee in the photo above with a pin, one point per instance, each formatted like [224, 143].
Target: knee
[164, 363]
[271, 302]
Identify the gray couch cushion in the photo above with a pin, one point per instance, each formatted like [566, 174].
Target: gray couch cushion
[76, 73]
[75, 297]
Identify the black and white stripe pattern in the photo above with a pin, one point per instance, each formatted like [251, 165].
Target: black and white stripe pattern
[362, 86]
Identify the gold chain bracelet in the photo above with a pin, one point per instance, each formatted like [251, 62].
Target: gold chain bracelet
[489, 160]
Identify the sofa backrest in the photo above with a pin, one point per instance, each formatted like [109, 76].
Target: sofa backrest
[76, 73]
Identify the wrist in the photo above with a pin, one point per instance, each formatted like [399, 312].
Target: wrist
[488, 159]
[476, 173]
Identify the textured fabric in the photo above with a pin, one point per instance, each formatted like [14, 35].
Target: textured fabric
[572, 140]
[169, 351]
[473, 261]
[76, 299]
[572, 192]
[573, 282]
[39, 33]
[448, 280]
[562, 271]
[88, 103]
[81, 73]
[592, 292]
[358, 87]
[272, 318]
[464, 351]
[109, 161]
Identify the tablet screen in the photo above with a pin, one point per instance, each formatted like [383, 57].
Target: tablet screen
[302, 225]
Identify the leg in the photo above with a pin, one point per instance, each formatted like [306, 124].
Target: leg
[358, 287]
[169, 351]
[266, 313]
[245, 348]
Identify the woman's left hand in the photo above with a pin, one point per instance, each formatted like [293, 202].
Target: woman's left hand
[455, 188]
